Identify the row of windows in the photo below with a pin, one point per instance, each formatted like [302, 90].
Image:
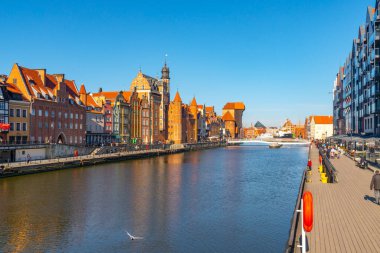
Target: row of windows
[71, 125]
[18, 126]
[18, 114]
[66, 115]
[71, 139]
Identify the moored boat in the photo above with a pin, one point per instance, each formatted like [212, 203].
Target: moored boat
[275, 145]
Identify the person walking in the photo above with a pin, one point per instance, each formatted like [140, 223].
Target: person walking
[28, 158]
[309, 164]
[375, 185]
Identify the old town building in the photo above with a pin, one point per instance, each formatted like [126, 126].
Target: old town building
[235, 116]
[4, 110]
[148, 88]
[175, 120]
[57, 115]
[319, 127]
[122, 118]
[19, 116]
[95, 119]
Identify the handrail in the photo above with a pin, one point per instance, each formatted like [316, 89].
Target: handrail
[330, 169]
[293, 228]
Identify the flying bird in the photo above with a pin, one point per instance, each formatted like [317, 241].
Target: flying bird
[133, 237]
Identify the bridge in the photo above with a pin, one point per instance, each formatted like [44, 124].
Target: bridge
[267, 142]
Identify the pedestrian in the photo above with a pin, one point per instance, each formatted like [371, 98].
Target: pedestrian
[28, 158]
[375, 185]
[309, 164]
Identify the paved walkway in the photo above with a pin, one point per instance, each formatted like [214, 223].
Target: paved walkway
[345, 217]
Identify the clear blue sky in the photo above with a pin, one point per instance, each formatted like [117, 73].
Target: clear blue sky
[279, 57]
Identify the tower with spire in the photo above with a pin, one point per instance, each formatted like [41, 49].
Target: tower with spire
[193, 111]
[175, 126]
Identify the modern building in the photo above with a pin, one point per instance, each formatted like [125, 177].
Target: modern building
[339, 121]
[357, 84]
[57, 114]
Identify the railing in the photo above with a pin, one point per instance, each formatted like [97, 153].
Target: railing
[290, 247]
[331, 172]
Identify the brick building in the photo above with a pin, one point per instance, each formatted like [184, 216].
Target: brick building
[57, 115]
[233, 113]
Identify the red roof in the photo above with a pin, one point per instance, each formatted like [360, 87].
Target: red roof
[34, 81]
[323, 119]
[228, 117]
[234, 106]
[111, 95]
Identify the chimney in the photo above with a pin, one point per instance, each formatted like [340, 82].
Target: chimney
[42, 73]
[100, 90]
[60, 78]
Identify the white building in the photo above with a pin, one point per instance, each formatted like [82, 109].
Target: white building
[320, 127]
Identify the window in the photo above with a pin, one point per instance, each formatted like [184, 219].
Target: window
[76, 116]
[18, 126]
[71, 115]
[52, 125]
[24, 113]
[46, 125]
[23, 126]
[76, 125]
[71, 125]
[80, 126]
[75, 139]
[59, 114]
[52, 114]
[11, 112]
[65, 115]
[65, 125]
[40, 113]
[81, 116]
[46, 113]
[33, 112]
[59, 125]
[39, 124]
[12, 126]
[14, 80]
[18, 113]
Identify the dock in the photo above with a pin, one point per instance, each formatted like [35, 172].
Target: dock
[45, 165]
[346, 219]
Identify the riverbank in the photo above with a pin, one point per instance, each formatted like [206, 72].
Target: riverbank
[39, 166]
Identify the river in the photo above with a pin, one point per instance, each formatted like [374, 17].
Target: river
[234, 199]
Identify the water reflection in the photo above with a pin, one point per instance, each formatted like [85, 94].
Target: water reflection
[230, 196]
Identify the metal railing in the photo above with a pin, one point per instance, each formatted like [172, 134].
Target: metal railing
[328, 168]
[291, 244]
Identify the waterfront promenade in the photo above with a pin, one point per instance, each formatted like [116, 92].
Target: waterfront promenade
[345, 217]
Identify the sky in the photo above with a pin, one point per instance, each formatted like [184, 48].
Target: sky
[280, 57]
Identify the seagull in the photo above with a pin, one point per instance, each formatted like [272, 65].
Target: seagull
[134, 237]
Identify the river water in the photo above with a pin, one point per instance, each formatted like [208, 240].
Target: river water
[234, 199]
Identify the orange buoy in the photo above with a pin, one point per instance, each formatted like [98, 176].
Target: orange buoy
[307, 211]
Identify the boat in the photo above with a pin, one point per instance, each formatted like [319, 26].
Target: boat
[275, 145]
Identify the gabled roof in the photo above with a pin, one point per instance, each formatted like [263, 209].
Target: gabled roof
[323, 120]
[200, 107]
[234, 106]
[228, 117]
[82, 89]
[46, 84]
